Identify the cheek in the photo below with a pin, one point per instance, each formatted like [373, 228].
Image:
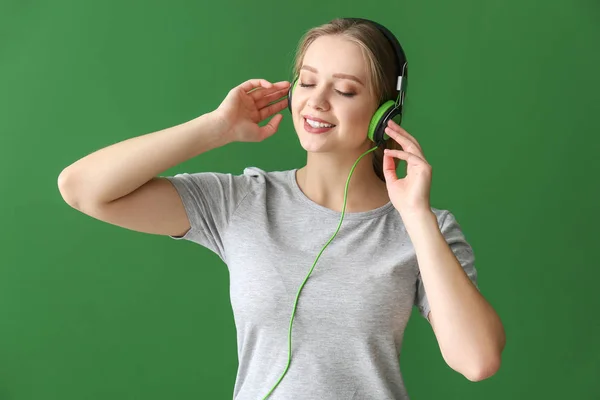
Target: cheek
[357, 117]
[298, 105]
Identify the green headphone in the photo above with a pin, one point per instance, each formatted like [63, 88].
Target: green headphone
[390, 109]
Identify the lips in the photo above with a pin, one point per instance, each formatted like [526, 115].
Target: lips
[317, 119]
[310, 129]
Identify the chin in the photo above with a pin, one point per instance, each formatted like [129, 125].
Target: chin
[315, 146]
[314, 143]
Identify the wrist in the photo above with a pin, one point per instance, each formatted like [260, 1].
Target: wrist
[215, 127]
[221, 125]
[202, 134]
[417, 218]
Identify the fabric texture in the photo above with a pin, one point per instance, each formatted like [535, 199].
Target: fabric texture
[351, 315]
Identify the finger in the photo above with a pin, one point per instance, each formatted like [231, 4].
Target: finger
[402, 155]
[271, 127]
[261, 102]
[273, 108]
[410, 158]
[282, 84]
[261, 92]
[397, 132]
[405, 142]
[389, 169]
[394, 125]
[277, 86]
[276, 101]
[255, 83]
[257, 92]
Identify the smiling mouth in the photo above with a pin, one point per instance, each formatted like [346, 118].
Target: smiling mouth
[318, 128]
[318, 125]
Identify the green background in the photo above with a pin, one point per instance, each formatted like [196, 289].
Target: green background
[503, 97]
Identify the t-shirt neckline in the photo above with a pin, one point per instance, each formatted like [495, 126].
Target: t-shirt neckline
[299, 194]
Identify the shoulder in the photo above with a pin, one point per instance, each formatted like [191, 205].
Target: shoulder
[260, 175]
[441, 215]
[258, 179]
[446, 221]
[251, 177]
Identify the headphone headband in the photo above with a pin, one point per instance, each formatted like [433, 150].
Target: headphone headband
[401, 62]
[389, 109]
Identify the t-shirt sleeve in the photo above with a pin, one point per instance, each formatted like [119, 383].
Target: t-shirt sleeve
[463, 251]
[210, 199]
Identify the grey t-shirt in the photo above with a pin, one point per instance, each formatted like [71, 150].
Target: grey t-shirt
[351, 314]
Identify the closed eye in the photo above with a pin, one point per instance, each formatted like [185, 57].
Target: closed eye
[342, 93]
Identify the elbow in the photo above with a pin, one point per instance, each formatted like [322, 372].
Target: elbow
[480, 362]
[475, 365]
[483, 370]
[65, 187]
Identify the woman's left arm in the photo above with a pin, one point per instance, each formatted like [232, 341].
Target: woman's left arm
[468, 330]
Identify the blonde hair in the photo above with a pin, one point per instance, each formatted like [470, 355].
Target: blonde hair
[381, 66]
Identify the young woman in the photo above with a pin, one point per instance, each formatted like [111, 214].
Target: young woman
[344, 296]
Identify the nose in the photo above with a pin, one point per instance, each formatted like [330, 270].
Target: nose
[318, 100]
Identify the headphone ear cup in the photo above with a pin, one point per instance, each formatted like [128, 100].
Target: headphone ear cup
[290, 92]
[378, 123]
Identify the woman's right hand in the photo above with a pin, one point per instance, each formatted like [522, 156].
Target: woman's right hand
[247, 104]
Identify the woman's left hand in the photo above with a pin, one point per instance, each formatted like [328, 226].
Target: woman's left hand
[409, 195]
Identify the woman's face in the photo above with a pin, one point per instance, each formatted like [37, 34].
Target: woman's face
[333, 86]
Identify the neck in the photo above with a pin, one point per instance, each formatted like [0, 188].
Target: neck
[323, 180]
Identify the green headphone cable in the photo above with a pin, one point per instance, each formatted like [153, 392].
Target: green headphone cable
[313, 267]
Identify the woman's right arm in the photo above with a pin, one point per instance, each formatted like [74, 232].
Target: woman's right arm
[119, 184]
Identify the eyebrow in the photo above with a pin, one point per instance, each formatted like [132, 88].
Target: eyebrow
[339, 75]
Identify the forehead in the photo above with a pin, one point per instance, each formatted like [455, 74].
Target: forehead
[336, 54]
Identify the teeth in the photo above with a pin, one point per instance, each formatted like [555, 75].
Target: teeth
[316, 124]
